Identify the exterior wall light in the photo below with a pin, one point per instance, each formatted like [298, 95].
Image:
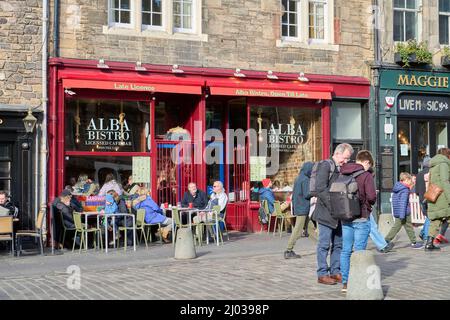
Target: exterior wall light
[238, 73]
[176, 69]
[29, 122]
[139, 67]
[271, 76]
[302, 77]
[102, 65]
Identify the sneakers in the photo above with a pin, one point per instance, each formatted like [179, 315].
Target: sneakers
[416, 245]
[344, 288]
[388, 247]
[290, 254]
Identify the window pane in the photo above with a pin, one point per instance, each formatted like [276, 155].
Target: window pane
[284, 30]
[146, 19]
[284, 18]
[187, 8]
[146, 5]
[292, 5]
[404, 146]
[284, 4]
[398, 26]
[125, 17]
[410, 24]
[116, 16]
[116, 4]
[157, 21]
[444, 5]
[292, 18]
[5, 151]
[157, 6]
[399, 3]
[441, 135]
[187, 22]
[292, 31]
[443, 30]
[107, 125]
[176, 8]
[423, 141]
[177, 21]
[125, 4]
[5, 185]
[411, 4]
[347, 120]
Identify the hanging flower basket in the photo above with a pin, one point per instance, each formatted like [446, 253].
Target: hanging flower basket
[412, 53]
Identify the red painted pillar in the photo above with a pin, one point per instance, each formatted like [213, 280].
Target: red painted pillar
[153, 151]
[326, 130]
[200, 142]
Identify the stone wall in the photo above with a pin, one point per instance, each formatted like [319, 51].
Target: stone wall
[240, 34]
[20, 52]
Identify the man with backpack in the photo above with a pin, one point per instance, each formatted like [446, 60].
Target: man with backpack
[356, 230]
[330, 231]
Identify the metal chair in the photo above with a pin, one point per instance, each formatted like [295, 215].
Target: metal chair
[80, 228]
[37, 233]
[7, 231]
[180, 224]
[281, 216]
[145, 225]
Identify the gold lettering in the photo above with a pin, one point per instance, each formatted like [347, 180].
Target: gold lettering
[413, 81]
[403, 80]
[444, 82]
[432, 82]
[422, 81]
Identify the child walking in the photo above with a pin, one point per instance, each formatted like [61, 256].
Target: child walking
[402, 212]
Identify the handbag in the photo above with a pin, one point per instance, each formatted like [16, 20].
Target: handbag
[433, 191]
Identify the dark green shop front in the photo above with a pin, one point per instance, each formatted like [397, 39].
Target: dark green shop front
[414, 122]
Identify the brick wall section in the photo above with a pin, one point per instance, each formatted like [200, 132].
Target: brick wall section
[20, 52]
[241, 34]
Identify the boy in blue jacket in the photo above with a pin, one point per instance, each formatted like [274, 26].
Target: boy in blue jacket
[402, 211]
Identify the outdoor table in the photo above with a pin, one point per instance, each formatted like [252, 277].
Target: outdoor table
[180, 211]
[113, 215]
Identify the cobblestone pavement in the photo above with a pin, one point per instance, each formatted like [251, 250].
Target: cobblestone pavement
[249, 266]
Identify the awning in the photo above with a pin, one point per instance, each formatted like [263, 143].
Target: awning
[268, 89]
[154, 86]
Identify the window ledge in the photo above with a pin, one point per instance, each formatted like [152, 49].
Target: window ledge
[159, 34]
[312, 46]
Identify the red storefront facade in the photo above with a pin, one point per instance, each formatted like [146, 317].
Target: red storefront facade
[110, 119]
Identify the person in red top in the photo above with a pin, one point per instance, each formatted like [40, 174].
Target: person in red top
[355, 233]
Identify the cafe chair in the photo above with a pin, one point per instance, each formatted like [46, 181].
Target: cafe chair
[211, 224]
[7, 231]
[63, 225]
[179, 224]
[148, 226]
[265, 205]
[140, 225]
[125, 229]
[82, 230]
[37, 233]
[280, 218]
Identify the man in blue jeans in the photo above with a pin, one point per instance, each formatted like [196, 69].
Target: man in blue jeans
[330, 230]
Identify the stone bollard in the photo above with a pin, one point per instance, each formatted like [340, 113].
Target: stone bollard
[385, 223]
[364, 280]
[184, 245]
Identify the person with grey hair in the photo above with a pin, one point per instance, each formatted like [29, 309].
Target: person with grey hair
[330, 229]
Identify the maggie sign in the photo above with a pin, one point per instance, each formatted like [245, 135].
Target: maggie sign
[285, 137]
[109, 134]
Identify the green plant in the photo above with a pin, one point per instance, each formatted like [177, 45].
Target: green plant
[413, 47]
[446, 52]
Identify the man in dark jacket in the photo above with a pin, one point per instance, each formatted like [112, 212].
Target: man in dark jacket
[300, 203]
[330, 231]
[195, 196]
[355, 233]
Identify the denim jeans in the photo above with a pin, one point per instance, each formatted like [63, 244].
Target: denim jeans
[375, 235]
[355, 236]
[329, 239]
[424, 231]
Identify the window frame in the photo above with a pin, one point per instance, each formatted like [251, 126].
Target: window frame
[298, 25]
[446, 14]
[193, 17]
[325, 19]
[416, 10]
[163, 17]
[112, 9]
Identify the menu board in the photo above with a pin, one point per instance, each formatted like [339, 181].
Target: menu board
[257, 168]
[141, 169]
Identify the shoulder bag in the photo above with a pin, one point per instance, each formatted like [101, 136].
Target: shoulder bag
[433, 191]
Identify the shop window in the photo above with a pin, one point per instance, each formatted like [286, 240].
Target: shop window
[405, 20]
[5, 166]
[444, 22]
[294, 133]
[441, 133]
[404, 146]
[347, 120]
[172, 119]
[107, 125]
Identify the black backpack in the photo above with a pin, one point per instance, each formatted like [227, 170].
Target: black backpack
[344, 197]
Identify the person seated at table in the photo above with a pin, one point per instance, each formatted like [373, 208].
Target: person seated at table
[195, 196]
[84, 185]
[62, 204]
[286, 187]
[110, 184]
[114, 203]
[276, 186]
[153, 213]
[218, 197]
[266, 193]
[7, 207]
[131, 188]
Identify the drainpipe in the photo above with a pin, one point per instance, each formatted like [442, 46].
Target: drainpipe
[43, 151]
[56, 29]
[376, 79]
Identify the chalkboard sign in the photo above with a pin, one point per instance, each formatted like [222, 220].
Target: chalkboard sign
[387, 167]
[423, 105]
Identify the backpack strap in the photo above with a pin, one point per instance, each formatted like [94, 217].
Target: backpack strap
[332, 167]
[358, 173]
